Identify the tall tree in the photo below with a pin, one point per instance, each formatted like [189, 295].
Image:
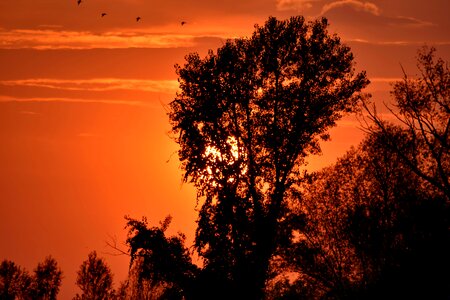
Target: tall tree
[46, 280]
[245, 119]
[422, 106]
[95, 279]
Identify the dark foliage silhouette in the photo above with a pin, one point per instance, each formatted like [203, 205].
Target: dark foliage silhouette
[95, 279]
[422, 140]
[46, 280]
[245, 119]
[371, 231]
[160, 266]
[376, 224]
[15, 283]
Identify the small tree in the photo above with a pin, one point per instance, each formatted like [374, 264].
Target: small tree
[245, 119]
[15, 282]
[46, 280]
[95, 279]
[160, 266]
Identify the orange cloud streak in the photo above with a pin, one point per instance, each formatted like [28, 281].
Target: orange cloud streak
[56, 39]
[98, 84]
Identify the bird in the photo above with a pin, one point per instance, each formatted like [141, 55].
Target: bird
[104, 14]
[138, 19]
[183, 22]
[79, 2]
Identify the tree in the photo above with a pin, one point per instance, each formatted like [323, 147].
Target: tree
[160, 265]
[423, 109]
[47, 279]
[245, 119]
[14, 281]
[373, 229]
[95, 279]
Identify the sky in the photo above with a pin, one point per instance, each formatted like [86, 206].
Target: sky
[84, 132]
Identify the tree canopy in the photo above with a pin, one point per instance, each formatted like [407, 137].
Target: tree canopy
[245, 119]
[422, 107]
[15, 282]
[372, 229]
[95, 279]
[46, 280]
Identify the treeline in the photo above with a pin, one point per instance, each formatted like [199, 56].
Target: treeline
[375, 225]
[94, 279]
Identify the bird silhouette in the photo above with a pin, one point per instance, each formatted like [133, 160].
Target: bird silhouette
[79, 2]
[104, 14]
[138, 19]
[183, 22]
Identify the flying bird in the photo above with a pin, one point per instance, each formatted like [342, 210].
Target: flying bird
[183, 22]
[104, 14]
[138, 19]
[79, 2]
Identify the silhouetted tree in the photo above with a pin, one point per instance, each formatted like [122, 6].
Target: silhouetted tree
[95, 279]
[15, 282]
[47, 279]
[160, 266]
[373, 230]
[245, 119]
[422, 105]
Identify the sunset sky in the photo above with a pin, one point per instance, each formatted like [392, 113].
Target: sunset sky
[84, 135]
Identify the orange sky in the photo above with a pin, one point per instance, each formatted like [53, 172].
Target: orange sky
[83, 129]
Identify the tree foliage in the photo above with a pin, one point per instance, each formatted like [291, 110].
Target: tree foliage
[245, 119]
[160, 266]
[372, 230]
[95, 279]
[422, 106]
[47, 280]
[376, 224]
[15, 282]
[43, 284]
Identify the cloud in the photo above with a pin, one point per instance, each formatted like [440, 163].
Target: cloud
[415, 44]
[355, 4]
[369, 13]
[98, 84]
[60, 39]
[410, 22]
[294, 4]
[385, 79]
[28, 112]
[6, 99]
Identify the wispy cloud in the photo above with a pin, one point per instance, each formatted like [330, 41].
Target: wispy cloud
[98, 84]
[50, 26]
[71, 100]
[368, 7]
[294, 4]
[60, 39]
[28, 112]
[410, 22]
[396, 43]
[374, 14]
[385, 79]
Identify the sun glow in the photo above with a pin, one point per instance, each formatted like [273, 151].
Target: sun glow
[216, 158]
[214, 153]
